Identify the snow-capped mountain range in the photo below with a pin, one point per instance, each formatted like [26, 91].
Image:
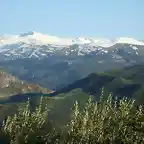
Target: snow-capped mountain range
[37, 45]
[55, 62]
[43, 39]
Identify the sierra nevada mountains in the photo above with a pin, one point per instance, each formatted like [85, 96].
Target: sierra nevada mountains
[55, 62]
[37, 45]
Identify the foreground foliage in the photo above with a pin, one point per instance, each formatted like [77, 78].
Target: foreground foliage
[109, 121]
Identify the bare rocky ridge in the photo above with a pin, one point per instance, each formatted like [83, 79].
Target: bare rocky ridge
[10, 85]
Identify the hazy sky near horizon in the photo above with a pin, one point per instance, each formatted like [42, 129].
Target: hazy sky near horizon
[71, 18]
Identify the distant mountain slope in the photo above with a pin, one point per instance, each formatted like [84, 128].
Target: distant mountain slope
[11, 85]
[56, 62]
[39, 46]
[126, 82]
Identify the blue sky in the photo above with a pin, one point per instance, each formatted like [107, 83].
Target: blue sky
[99, 18]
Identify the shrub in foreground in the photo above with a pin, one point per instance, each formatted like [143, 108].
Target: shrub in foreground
[27, 126]
[107, 121]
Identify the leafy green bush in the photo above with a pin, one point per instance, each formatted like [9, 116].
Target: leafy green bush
[27, 126]
[107, 121]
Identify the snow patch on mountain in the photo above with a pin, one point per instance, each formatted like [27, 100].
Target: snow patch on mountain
[126, 40]
[43, 39]
[35, 38]
[37, 45]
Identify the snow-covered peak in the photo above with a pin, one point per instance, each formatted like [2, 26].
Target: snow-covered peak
[37, 38]
[104, 42]
[126, 40]
[37, 45]
[82, 40]
[27, 34]
[47, 39]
